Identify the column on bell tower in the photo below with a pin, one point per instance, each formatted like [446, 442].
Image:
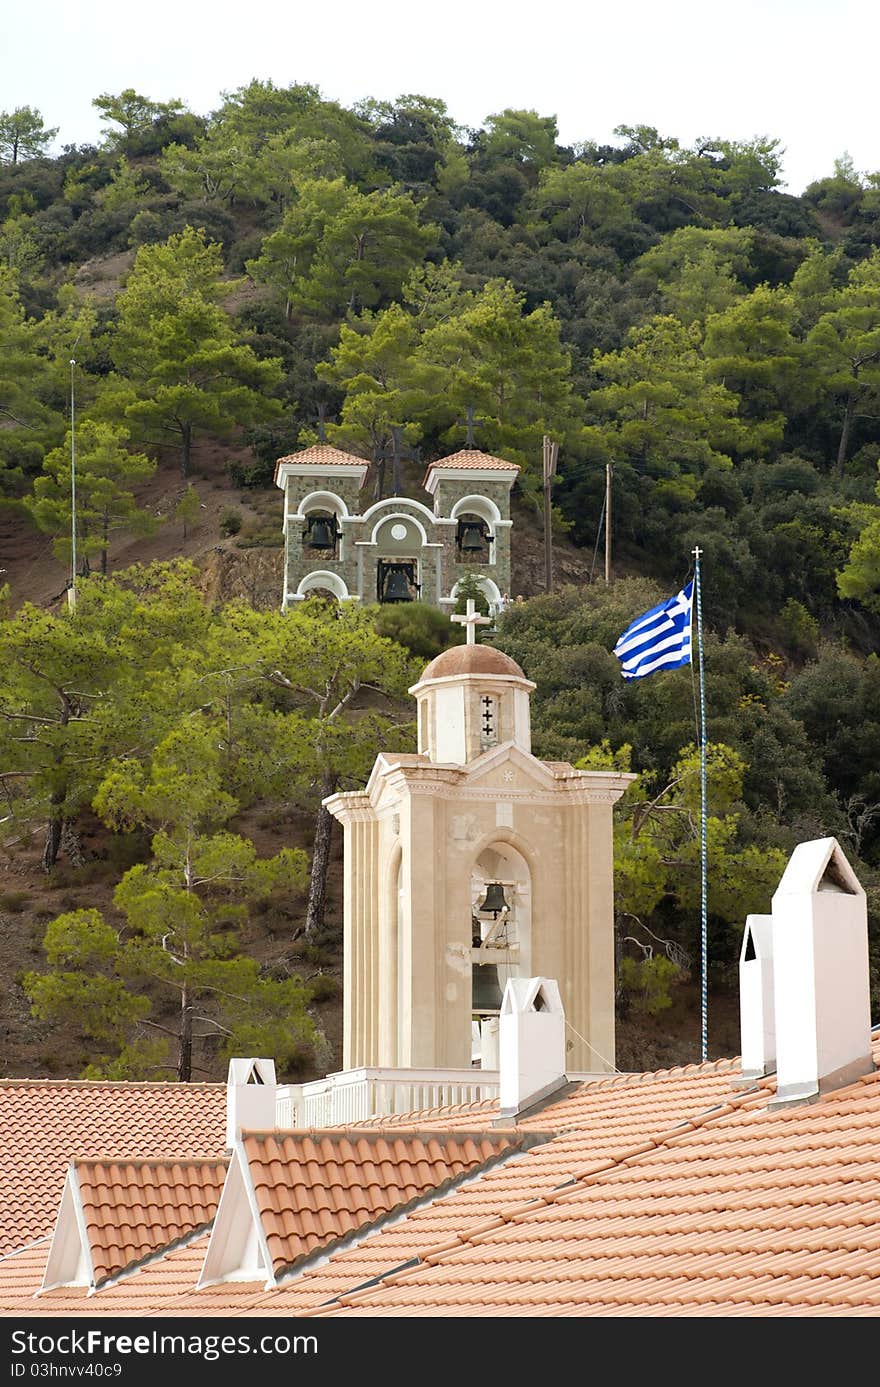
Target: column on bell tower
[360, 1041]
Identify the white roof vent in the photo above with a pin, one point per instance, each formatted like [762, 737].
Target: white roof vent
[756, 1016]
[820, 966]
[531, 1043]
[250, 1097]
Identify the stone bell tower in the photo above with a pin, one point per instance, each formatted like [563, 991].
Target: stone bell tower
[469, 863]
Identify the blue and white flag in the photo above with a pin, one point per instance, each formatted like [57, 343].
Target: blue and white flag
[660, 639]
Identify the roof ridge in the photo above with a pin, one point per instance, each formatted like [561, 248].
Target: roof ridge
[172, 1085]
[500, 1134]
[151, 1160]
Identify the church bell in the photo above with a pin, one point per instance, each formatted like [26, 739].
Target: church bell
[495, 900]
[486, 995]
[472, 537]
[396, 587]
[321, 533]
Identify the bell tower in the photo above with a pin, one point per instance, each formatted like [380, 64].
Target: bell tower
[468, 863]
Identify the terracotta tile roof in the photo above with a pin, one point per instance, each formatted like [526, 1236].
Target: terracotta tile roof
[472, 458]
[134, 1208]
[322, 455]
[46, 1123]
[665, 1194]
[315, 1188]
[736, 1209]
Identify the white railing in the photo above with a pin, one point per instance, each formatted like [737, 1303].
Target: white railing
[355, 1095]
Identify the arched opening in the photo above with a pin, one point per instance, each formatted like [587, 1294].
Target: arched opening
[322, 581]
[501, 937]
[474, 540]
[322, 535]
[490, 590]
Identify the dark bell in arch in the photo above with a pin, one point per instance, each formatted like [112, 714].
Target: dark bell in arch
[322, 533]
[396, 587]
[495, 900]
[472, 537]
[486, 994]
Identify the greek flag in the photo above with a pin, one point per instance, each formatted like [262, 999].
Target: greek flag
[660, 639]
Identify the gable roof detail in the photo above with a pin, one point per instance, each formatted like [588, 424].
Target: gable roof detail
[315, 1188]
[82, 1118]
[124, 1211]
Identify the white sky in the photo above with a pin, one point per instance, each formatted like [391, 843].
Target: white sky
[800, 70]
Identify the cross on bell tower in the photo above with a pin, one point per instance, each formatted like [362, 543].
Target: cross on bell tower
[472, 424]
[470, 620]
[398, 453]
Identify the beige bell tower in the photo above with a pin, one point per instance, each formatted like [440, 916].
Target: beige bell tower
[470, 863]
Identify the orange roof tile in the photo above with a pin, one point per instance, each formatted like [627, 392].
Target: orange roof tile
[314, 1188]
[134, 1208]
[665, 1194]
[46, 1123]
[472, 458]
[322, 455]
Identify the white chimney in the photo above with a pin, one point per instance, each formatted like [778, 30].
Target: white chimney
[531, 1043]
[250, 1097]
[820, 967]
[756, 1020]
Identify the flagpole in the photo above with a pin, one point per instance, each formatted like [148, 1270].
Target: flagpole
[704, 934]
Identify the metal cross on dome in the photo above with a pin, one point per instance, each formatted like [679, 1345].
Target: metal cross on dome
[471, 620]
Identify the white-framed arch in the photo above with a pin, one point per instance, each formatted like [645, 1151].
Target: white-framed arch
[489, 589]
[322, 578]
[322, 501]
[396, 501]
[483, 506]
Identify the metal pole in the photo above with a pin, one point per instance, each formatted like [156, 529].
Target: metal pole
[548, 531]
[704, 934]
[71, 595]
[609, 472]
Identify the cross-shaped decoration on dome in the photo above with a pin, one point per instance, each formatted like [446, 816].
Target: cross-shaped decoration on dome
[471, 620]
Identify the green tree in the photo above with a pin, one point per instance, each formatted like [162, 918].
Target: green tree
[697, 271]
[751, 348]
[181, 370]
[844, 349]
[338, 249]
[187, 509]
[510, 365]
[134, 114]
[317, 664]
[78, 688]
[520, 137]
[658, 410]
[26, 419]
[105, 469]
[182, 911]
[23, 135]
[657, 842]
[263, 142]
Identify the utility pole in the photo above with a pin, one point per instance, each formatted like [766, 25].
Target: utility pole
[551, 453]
[71, 591]
[609, 473]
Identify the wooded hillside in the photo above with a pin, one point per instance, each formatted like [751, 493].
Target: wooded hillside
[229, 284]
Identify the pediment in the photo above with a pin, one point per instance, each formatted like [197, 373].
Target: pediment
[508, 768]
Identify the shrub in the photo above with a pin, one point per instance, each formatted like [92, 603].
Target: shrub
[230, 521]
